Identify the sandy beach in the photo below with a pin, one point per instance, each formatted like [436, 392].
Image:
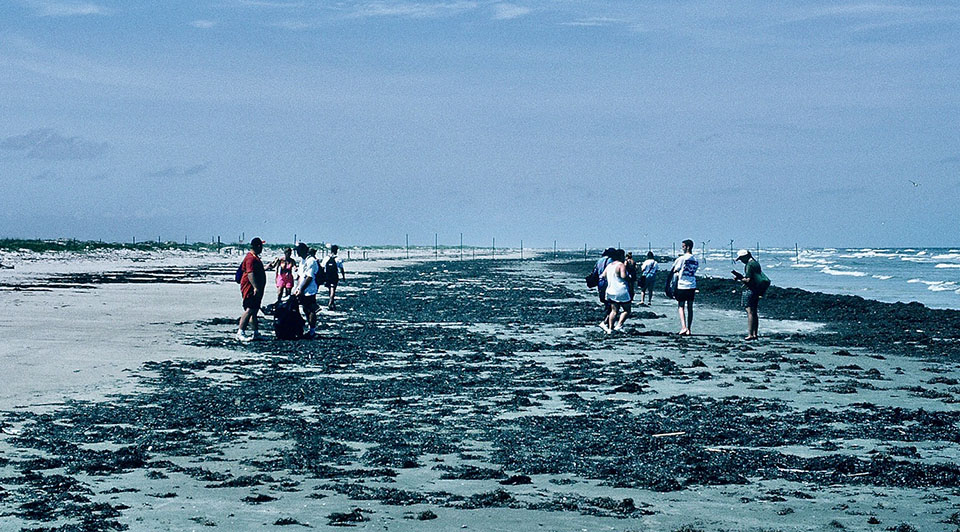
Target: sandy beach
[474, 395]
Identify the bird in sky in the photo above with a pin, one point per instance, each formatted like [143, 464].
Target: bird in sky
[914, 183]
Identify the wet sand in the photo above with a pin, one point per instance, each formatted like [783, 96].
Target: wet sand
[482, 395]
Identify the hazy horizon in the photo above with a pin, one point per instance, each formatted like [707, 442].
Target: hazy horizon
[822, 123]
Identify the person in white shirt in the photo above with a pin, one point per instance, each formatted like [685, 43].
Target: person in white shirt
[618, 292]
[648, 271]
[306, 288]
[685, 268]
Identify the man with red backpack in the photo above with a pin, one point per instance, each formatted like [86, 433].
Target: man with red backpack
[253, 280]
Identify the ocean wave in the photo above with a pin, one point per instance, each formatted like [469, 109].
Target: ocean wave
[883, 277]
[947, 265]
[936, 286]
[850, 273]
[946, 256]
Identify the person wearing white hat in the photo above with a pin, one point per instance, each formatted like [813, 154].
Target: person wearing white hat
[755, 284]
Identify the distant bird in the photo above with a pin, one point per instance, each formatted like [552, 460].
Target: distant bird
[914, 183]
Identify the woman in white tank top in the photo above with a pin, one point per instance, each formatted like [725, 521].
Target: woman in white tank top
[618, 293]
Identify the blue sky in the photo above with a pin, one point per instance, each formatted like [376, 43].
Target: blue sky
[584, 122]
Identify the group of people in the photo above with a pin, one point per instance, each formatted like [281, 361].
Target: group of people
[300, 279]
[617, 276]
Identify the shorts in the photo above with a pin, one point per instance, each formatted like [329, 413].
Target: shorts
[253, 302]
[749, 299]
[602, 292]
[682, 296]
[646, 283]
[332, 284]
[308, 303]
[285, 280]
[621, 306]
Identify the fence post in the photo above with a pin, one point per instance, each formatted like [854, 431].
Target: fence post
[408, 245]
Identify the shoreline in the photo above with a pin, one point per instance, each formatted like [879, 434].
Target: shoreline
[851, 320]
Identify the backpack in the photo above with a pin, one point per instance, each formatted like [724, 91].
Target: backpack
[239, 275]
[670, 290]
[330, 270]
[763, 282]
[287, 322]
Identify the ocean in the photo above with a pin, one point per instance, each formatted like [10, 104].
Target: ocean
[926, 275]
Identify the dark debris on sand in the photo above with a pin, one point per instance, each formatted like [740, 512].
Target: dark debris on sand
[439, 386]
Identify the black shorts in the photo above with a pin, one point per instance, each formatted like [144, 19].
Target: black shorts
[682, 296]
[332, 284]
[308, 303]
[621, 306]
[646, 283]
[253, 302]
[749, 299]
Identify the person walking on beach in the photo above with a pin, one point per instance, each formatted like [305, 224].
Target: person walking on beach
[331, 267]
[685, 268]
[284, 266]
[631, 274]
[252, 283]
[755, 284]
[648, 271]
[306, 289]
[618, 292]
[605, 259]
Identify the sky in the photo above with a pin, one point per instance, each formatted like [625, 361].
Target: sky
[359, 122]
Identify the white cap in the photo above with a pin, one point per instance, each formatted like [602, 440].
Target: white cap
[742, 253]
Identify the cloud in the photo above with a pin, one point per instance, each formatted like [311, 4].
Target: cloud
[203, 24]
[594, 22]
[48, 145]
[71, 9]
[295, 25]
[261, 3]
[179, 171]
[412, 10]
[509, 11]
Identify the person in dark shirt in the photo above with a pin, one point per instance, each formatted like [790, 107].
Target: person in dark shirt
[755, 284]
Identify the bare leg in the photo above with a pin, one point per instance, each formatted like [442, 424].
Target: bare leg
[245, 319]
[683, 319]
[612, 316]
[753, 324]
[333, 292]
[623, 317]
[689, 317]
